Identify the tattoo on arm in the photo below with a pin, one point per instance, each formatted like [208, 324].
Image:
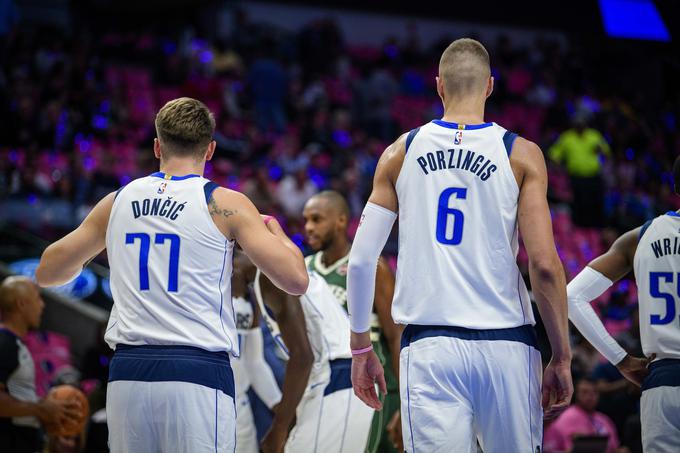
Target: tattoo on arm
[216, 210]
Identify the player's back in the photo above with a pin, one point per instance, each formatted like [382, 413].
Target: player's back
[657, 273]
[170, 266]
[458, 236]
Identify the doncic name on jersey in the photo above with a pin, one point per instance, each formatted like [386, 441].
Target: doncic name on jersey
[457, 159]
[158, 206]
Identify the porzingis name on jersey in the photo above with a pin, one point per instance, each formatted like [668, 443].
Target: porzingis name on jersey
[665, 246]
[167, 207]
[460, 159]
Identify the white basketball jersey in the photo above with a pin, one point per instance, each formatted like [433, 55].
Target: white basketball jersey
[657, 273]
[243, 314]
[458, 230]
[326, 321]
[170, 267]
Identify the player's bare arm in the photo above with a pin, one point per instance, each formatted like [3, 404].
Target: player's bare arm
[545, 268]
[291, 320]
[266, 245]
[368, 243]
[590, 284]
[384, 293]
[63, 260]
[386, 174]
[618, 260]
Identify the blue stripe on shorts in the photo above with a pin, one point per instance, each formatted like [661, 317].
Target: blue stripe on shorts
[341, 376]
[524, 334]
[663, 373]
[172, 363]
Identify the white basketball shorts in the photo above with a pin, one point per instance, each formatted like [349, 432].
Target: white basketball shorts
[170, 399]
[459, 386]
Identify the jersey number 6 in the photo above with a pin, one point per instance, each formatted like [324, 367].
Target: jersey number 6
[144, 245]
[444, 213]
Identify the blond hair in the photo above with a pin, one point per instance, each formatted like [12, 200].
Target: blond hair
[185, 127]
[464, 68]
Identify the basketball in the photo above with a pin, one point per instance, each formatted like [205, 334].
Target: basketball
[73, 427]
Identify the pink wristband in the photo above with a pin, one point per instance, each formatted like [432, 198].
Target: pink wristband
[267, 219]
[362, 351]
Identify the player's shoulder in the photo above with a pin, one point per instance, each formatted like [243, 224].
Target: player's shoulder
[525, 149]
[526, 156]
[392, 159]
[627, 243]
[225, 197]
[398, 147]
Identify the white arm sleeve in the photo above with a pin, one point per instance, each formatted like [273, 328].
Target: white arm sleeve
[589, 284]
[374, 229]
[261, 375]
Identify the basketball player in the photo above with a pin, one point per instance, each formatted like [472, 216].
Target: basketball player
[312, 330]
[469, 367]
[651, 251]
[326, 219]
[250, 368]
[169, 238]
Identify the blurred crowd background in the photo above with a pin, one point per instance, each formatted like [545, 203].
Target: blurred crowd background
[306, 109]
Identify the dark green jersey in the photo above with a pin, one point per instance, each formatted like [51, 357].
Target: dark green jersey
[335, 275]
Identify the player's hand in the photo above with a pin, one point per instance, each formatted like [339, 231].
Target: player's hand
[53, 413]
[366, 372]
[635, 368]
[557, 388]
[394, 431]
[274, 440]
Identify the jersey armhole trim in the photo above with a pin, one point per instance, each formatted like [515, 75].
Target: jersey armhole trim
[208, 189]
[118, 191]
[508, 141]
[644, 228]
[409, 138]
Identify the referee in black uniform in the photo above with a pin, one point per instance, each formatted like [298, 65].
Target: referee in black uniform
[21, 413]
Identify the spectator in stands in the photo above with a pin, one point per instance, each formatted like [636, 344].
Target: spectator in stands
[584, 358]
[580, 419]
[579, 149]
[294, 190]
[21, 413]
[268, 83]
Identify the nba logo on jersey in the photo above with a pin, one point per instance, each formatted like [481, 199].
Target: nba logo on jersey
[458, 137]
[162, 187]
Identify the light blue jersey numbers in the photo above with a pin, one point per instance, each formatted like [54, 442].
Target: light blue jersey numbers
[145, 245]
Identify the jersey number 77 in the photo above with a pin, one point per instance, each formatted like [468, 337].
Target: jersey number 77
[144, 246]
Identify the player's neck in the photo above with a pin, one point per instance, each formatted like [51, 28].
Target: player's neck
[182, 167]
[464, 112]
[337, 250]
